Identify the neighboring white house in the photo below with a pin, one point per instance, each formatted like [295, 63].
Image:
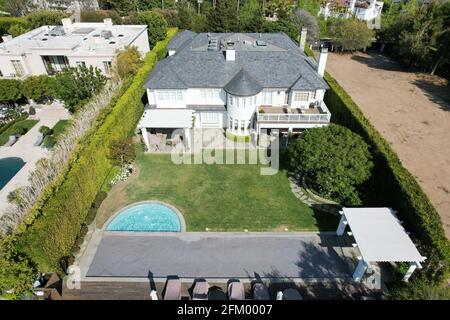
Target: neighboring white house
[366, 10]
[49, 49]
[243, 82]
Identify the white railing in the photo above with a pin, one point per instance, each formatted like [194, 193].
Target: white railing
[325, 116]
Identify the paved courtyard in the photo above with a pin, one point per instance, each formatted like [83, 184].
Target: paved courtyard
[217, 255]
[24, 148]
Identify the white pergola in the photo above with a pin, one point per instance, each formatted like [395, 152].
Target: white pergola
[166, 118]
[380, 237]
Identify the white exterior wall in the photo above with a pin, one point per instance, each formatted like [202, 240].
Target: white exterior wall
[141, 42]
[6, 66]
[194, 96]
[319, 94]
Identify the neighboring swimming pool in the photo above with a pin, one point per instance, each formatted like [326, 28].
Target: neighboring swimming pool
[147, 217]
[8, 169]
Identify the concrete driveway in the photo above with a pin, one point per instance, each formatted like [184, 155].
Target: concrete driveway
[216, 255]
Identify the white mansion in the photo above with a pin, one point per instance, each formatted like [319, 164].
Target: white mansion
[49, 49]
[243, 82]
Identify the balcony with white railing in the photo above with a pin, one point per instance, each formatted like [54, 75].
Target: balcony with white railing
[315, 114]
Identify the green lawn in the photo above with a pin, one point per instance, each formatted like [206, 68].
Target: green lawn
[58, 129]
[17, 128]
[220, 197]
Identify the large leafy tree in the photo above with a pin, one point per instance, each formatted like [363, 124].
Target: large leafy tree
[224, 18]
[157, 25]
[184, 15]
[38, 87]
[302, 18]
[286, 26]
[351, 34]
[334, 161]
[74, 86]
[44, 18]
[122, 152]
[251, 16]
[128, 62]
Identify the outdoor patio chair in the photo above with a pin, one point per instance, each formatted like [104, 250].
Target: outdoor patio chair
[200, 291]
[291, 294]
[173, 289]
[260, 291]
[236, 291]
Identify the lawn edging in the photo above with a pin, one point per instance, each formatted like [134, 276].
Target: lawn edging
[397, 187]
[46, 243]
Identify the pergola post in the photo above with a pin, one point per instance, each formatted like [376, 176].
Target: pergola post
[360, 269]
[412, 267]
[145, 137]
[341, 227]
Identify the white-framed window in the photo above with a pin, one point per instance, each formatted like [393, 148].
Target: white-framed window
[169, 95]
[80, 64]
[301, 96]
[210, 94]
[210, 117]
[231, 123]
[267, 97]
[230, 100]
[242, 125]
[17, 64]
[107, 67]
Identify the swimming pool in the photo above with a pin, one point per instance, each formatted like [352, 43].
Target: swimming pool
[147, 217]
[8, 169]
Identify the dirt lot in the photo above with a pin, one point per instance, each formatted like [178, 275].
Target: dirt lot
[411, 111]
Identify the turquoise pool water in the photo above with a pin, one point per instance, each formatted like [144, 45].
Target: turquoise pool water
[146, 217]
[8, 169]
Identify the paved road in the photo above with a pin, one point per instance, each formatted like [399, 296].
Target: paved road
[217, 255]
[25, 149]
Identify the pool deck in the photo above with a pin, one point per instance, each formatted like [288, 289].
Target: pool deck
[116, 256]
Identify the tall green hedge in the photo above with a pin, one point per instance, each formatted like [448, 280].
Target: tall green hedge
[393, 185]
[49, 238]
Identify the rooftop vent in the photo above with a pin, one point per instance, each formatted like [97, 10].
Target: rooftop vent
[120, 35]
[57, 32]
[44, 39]
[112, 42]
[96, 35]
[261, 43]
[106, 34]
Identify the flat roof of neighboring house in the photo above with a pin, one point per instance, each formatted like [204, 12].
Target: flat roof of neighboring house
[82, 39]
[272, 60]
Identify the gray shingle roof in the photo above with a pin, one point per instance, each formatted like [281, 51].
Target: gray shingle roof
[280, 64]
[179, 39]
[243, 84]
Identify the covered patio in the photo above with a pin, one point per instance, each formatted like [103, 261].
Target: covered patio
[163, 128]
[379, 237]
